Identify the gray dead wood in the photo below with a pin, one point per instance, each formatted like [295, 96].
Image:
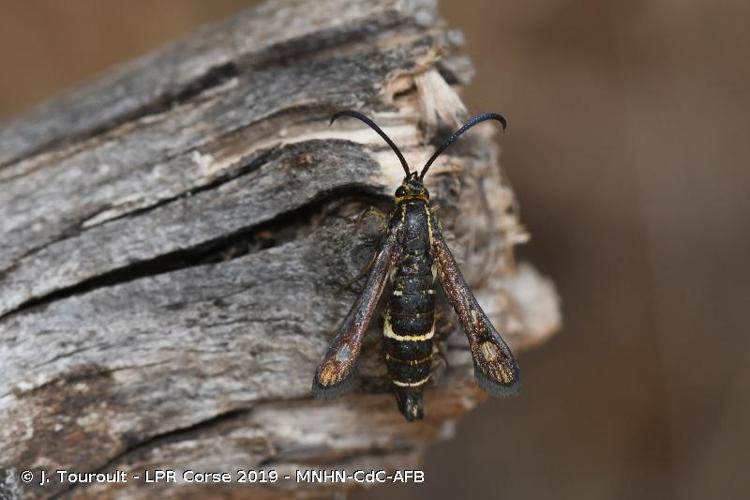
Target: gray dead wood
[181, 238]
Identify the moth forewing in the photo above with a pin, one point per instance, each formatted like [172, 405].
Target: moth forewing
[338, 364]
[495, 367]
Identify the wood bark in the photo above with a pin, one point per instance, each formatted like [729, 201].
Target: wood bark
[181, 238]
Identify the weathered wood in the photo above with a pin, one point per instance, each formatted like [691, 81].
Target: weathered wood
[181, 238]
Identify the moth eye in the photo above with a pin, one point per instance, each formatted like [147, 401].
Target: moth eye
[401, 191]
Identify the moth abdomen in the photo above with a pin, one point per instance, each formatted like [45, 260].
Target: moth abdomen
[411, 304]
[409, 361]
[410, 317]
[407, 372]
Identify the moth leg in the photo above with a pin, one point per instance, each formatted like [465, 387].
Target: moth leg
[376, 225]
[377, 222]
[441, 351]
[349, 285]
[373, 211]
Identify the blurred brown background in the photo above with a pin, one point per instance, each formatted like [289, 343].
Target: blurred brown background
[628, 146]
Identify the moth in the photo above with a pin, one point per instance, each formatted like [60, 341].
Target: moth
[412, 256]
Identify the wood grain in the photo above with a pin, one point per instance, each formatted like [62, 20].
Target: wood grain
[182, 237]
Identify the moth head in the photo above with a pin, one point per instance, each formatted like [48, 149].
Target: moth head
[412, 188]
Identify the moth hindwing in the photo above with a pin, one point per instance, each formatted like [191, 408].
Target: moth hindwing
[412, 248]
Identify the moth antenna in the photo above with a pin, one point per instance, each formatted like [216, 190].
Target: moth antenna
[455, 135]
[360, 116]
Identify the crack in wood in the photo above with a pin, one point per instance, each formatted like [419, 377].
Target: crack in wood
[374, 28]
[228, 247]
[244, 166]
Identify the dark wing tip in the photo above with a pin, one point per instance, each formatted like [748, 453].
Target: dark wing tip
[495, 388]
[321, 391]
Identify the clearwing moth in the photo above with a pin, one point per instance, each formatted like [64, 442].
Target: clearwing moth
[413, 253]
